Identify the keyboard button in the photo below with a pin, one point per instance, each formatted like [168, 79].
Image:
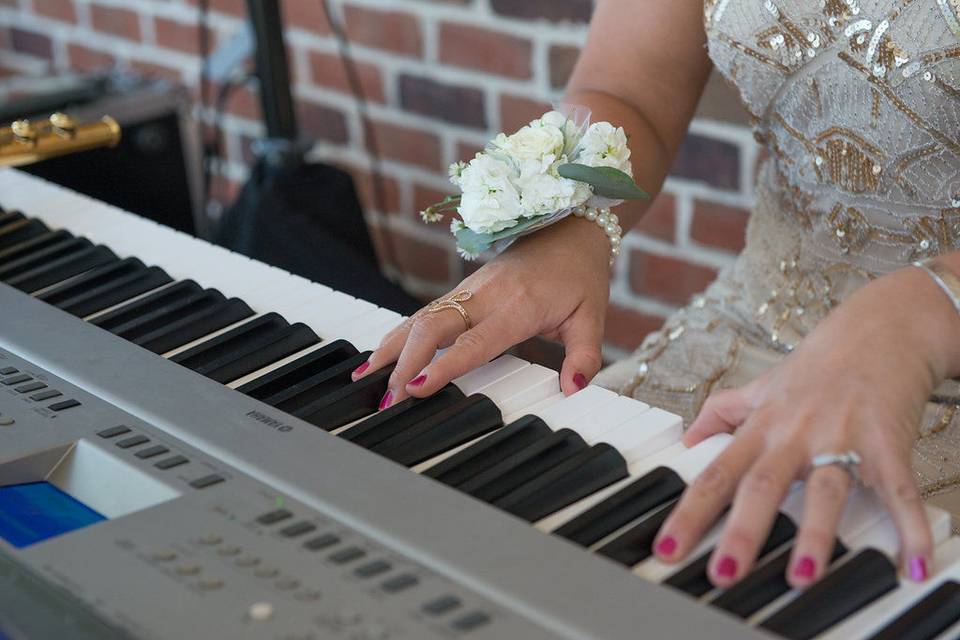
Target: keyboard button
[170, 463]
[524, 466]
[244, 349]
[6, 371]
[647, 493]
[293, 375]
[347, 555]
[87, 302]
[575, 478]
[635, 545]
[356, 400]
[113, 432]
[927, 619]
[274, 517]
[404, 415]
[693, 579]
[62, 268]
[763, 585]
[441, 606]
[298, 529]
[195, 324]
[152, 452]
[460, 423]
[321, 542]
[471, 621]
[17, 379]
[207, 481]
[66, 404]
[489, 451]
[841, 593]
[400, 583]
[32, 386]
[316, 387]
[372, 569]
[46, 395]
[133, 441]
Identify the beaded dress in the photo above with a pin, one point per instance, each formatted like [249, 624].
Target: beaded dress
[857, 103]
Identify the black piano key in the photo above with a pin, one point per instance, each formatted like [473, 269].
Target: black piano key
[656, 488]
[841, 593]
[188, 328]
[42, 256]
[9, 217]
[194, 305]
[465, 421]
[935, 613]
[636, 543]
[583, 474]
[524, 466]
[20, 231]
[31, 245]
[482, 455]
[317, 386]
[693, 579]
[763, 585]
[244, 349]
[401, 416]
[145, 305]
[303, 368]
[352, 402]
[62, 269]
[91, 280]
[105, 287]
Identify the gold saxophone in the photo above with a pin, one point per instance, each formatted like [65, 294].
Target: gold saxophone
[25, 142]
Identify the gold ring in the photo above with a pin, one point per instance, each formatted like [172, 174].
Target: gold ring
[454, 302]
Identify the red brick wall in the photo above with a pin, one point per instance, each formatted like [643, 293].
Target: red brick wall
[441, 76]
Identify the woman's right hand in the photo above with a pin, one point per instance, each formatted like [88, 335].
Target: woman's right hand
[553, 283]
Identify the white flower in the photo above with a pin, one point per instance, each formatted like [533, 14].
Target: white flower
[604, 145]
[491, 201]
[455, 171]
[542, 190]
[543, 143]
[571, 132]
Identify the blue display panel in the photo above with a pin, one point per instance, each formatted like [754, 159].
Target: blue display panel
[32, 513]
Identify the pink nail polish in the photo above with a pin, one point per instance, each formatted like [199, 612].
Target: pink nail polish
[580, 380]
[727, 567]
[419, 380]
[918, 569]
[386, 400]
[805, 568]
[359, 370]
[666, 546]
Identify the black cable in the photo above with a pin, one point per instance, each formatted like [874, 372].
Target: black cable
[373, 149]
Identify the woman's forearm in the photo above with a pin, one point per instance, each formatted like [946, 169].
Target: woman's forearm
[649, 152]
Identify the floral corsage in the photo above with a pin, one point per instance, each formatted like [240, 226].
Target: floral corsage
[557, 165]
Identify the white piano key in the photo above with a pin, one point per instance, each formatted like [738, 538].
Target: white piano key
[534, 408]
[524, 388]
[867, 622]
[573, 408]
[645, 434]
[369, 328]
[492, 372]
[606, 418]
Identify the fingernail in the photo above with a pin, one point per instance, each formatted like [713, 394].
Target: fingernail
[918, 569]
[805, 567]
[580, 380]
[386, 400]
[359, 370]
[419, 380]
[666, 546]
[727, 567]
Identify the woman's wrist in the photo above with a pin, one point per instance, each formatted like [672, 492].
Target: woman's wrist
[933, 319]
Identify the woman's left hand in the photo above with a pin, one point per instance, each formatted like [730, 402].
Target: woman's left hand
[858, 382]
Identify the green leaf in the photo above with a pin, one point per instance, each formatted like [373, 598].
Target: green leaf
[476, 243]
[606, 181]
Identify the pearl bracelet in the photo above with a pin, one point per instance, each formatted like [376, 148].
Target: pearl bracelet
[607, 221]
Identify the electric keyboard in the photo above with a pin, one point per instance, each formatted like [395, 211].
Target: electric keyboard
[184, 454]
